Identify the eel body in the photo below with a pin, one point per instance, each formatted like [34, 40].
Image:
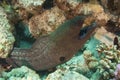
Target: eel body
[54, 49]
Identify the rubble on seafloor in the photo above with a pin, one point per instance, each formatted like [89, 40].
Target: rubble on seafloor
[89, 64]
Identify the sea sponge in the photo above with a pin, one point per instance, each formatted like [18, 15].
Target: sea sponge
[6, 37]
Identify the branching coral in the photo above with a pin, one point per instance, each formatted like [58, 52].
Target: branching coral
[90, 60]
[109, 58]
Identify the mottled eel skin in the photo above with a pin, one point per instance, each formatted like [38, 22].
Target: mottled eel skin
[56, 48]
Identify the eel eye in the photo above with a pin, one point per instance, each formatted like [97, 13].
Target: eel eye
[62, 59]
[82, 33]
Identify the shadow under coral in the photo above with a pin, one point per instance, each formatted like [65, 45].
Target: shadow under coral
[23, 37]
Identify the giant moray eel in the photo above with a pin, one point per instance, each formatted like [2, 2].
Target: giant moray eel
[50, 50]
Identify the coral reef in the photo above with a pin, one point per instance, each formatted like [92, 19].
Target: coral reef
[68, 10]
[90, 60]
[113, 26]
[6, 36]
[65, 75]
[25, 9]
[103, 66]
[59, 16]
[73, 8]
[109, 58]
[111, 6]
[83, 64]
[97, 14]
[70, 7]
[42, 17]
[46, 22]
[28, 3]
[22, 73]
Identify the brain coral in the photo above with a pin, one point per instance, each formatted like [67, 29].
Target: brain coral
[6, 36]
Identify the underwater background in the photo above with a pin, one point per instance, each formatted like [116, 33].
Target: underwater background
[59, 40]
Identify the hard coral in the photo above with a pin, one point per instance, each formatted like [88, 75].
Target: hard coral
[113, 6]
[109, 58]
[70, 7]
[29, 3]
[90, 60]
[27, 8]
[96, 11]
[6, 36]
[22, 73]
[65, 75]
[46, 22]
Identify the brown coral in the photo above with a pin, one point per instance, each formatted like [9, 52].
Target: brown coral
[70, 7]
[46, 22]
[25, 9]
[90, 60]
